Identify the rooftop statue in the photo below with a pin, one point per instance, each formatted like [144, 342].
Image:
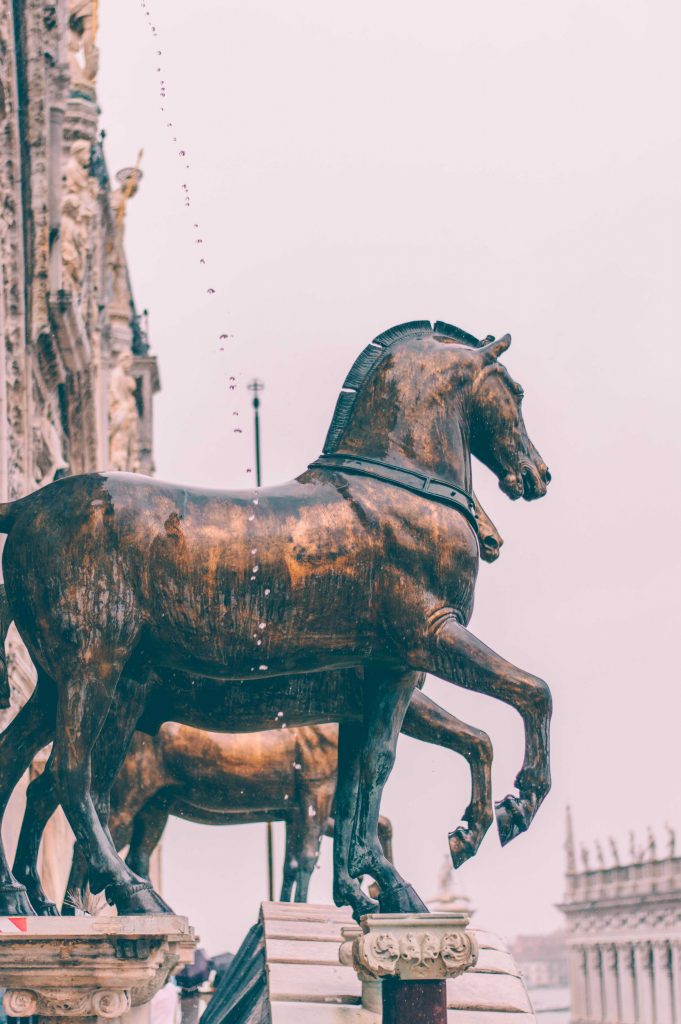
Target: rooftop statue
[367, 560]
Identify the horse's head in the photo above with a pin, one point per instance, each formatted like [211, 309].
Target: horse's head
[498, 433]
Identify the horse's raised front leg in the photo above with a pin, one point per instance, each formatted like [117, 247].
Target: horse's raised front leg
[27, 733]
[427, 721]
[387, 696]
[346, 890]
[454, 654]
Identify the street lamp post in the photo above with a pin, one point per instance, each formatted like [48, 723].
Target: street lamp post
[256, 386]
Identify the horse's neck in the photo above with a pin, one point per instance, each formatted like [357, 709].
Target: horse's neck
[422, 440]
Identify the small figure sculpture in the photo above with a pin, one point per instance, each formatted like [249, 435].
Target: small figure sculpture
[78, 212]
[76, 174]
[73, 242]
[129, 179]
[633, 849]
[123, 449]
[652, 845]
[671, 841]
[48, 453]
[83, 52]
[600, 859]
[614, 851]
[584, 854]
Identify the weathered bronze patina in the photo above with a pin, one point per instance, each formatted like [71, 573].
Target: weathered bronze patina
[111, 575]
[222, 779]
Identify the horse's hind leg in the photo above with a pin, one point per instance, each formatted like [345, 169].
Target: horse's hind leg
[387, 697]
[290, 859]
[315, 811]
[42, 799]
[147, 830]
[427, 721]
[27, 733]
[84, 703]
[41, 803]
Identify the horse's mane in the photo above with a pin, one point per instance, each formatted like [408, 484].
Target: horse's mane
[371, 355]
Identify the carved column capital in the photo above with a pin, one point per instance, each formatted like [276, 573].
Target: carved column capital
[46, 964]
[67, 1002]
[412, 947]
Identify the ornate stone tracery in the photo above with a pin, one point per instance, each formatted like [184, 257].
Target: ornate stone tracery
[70, 361]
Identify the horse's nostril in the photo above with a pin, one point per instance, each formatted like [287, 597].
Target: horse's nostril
[490, 542]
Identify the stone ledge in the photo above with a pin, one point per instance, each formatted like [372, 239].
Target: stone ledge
[89, 967]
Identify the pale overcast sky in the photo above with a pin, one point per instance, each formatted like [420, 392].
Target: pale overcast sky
[503, 166]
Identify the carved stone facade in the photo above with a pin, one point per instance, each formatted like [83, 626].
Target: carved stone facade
[76, 376]
[624, 934]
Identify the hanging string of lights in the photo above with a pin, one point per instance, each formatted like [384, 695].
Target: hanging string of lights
[181, 152]
[255, 576]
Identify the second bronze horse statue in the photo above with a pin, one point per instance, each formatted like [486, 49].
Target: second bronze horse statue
[367, 560]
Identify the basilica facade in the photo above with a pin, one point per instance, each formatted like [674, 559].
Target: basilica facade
[77, 378]
[623, 917]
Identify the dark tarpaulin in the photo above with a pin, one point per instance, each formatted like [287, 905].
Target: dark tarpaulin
[241, 997]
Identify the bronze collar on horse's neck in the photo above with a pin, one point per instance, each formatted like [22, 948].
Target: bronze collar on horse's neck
[443, 491]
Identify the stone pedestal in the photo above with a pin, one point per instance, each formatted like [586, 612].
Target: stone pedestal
[88, 969]
[412, 955]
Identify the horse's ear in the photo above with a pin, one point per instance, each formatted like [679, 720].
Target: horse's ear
[495, 349]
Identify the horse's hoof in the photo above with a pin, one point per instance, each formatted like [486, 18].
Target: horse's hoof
[358, 901]
[136, 899]
[511, 820]
[14, 901]
[401, 899]
[461, 846]
[45, 908]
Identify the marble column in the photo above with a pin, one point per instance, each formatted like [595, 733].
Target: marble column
[611, 996]
[627, 984]
[676, 982]
[644, 977]
[662, 980]
[594, 983]
[578, 969]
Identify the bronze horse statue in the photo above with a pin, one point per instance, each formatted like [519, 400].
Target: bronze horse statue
[217, 778]
[367, 560]
[246, 777]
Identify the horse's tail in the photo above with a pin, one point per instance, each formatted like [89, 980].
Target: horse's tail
[5, 622]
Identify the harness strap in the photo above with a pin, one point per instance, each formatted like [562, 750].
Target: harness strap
[442, 491]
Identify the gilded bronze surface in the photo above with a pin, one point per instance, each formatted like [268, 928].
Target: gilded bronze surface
[110, 576]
